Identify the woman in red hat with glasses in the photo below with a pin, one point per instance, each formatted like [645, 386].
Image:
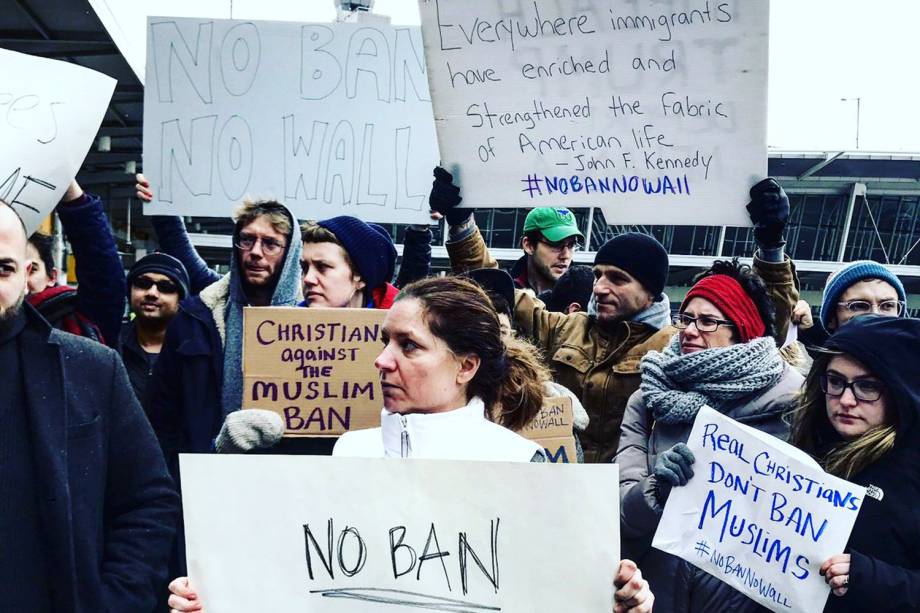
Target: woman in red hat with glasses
[723, 356]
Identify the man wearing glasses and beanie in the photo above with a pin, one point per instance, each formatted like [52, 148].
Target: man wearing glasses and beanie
[156, 284]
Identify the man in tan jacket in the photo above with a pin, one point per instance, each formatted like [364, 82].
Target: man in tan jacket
[597, 354]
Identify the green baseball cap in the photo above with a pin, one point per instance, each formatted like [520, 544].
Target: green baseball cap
[554, 224]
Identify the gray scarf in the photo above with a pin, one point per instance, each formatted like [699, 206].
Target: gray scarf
[657, 316]
[676, 386]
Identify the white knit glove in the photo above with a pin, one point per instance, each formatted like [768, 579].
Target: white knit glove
[249, 429]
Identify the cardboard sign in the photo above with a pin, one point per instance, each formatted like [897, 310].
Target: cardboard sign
[351, 535]
[758, 514]
[552, 429]
[559, 450]
[331, 119]
[655, 112]
[555, 419]
[50, 112]
[314, 367]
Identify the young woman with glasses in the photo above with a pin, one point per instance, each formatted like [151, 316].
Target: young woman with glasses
[858, 418]
[723, 356]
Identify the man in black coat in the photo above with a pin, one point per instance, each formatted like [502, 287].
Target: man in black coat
[88, 511]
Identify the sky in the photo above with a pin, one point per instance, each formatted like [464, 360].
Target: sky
[820, 52]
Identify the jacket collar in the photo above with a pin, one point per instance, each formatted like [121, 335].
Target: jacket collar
[519, 273]
[215, 297]
[47, 412]
[460, 434]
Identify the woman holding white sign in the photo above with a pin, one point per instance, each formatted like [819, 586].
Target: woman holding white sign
[445, 367]
[859, 418]
[724, 357]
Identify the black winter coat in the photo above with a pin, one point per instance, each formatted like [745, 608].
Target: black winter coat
[107, 505]
[885, 543]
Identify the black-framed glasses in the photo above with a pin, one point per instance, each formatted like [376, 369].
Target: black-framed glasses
[562, 245]
[704, 323]
[866, 390]
[893, 308]
[270, 246]
[164, 286]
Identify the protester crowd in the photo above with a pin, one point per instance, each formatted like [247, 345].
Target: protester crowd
[99, 406]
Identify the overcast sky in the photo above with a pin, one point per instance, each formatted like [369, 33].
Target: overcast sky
[820, 51]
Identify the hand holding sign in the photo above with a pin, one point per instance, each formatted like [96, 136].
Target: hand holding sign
[244, 431]
[633, 594]
[836, 573]
[675, 466]
[183, 597]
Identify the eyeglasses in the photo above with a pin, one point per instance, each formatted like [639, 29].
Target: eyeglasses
[866, 390]
[164, 287]
[270, 246]
[561, 246]
[704, 323]
[863, 307]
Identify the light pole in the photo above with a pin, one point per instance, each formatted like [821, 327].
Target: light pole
[857, 99]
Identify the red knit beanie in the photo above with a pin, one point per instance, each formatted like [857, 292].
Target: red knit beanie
[729, 297]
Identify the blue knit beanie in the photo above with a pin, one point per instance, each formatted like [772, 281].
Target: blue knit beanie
[369, 247]
[854, 272]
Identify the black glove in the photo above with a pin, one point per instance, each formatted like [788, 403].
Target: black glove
[769, 210]
[445, 196]
[674, 466]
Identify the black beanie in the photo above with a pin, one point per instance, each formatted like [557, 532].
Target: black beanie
[641, 255]
[369, 247]
[163, 264]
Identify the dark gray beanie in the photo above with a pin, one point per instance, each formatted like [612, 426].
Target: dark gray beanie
[641, 255]
[163, 264]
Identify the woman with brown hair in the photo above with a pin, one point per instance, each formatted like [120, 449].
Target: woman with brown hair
[858, 418]
[444, 369]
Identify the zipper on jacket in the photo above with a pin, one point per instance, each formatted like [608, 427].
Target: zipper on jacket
[404, 446]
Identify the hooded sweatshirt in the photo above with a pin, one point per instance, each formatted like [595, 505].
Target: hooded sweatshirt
[288, 292]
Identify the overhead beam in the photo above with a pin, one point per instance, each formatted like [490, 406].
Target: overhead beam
[120, 131]
[59, 48]
[822, 164]
[104, 178]
[33, 19]
[111, 157]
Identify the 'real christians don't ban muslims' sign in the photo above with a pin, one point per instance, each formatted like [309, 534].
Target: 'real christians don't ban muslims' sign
[758, 514]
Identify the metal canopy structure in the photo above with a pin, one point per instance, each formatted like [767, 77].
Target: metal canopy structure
[69, 30]
[846, 204]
